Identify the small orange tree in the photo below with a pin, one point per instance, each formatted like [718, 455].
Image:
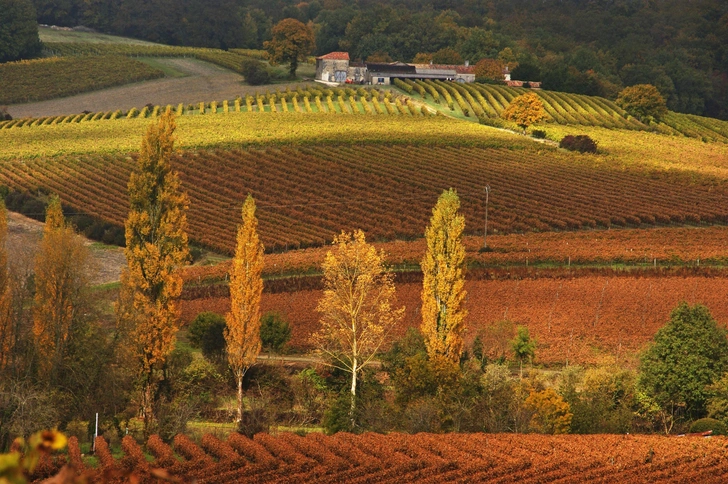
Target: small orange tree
[644, 102]
[551, 413]
[292, 42]
[356, 308]
[156, 245]
[61, 276]
[242, 334]
[525, 110]
[443, 284]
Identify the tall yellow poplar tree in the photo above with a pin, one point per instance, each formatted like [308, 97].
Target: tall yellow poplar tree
[156, 245]
[61, 275]
[443, 287]
[356, 308]
[7, 326]
[242, 335]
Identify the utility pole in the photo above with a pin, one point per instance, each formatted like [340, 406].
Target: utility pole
[485, 232]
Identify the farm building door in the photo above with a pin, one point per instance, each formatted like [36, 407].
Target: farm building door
[340, 76]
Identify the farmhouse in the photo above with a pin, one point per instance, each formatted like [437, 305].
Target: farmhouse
[336, 68]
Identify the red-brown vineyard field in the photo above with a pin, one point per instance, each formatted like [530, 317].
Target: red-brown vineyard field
[306, 195]
[421, 458]
[581, 320]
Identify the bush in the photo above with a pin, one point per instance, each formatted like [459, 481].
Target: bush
[581, 143]
[207, 333]
[254, 72]
[274, 332]
[705, 424]
[538, 134]
[4, 115]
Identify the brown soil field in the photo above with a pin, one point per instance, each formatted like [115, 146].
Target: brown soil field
[204, 82]
[582, 320]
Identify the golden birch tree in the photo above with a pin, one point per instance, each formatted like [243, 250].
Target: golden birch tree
[356, 308]
[443, 287]
[61, 276]
[156, 245]
[242, 334]
[7, 326]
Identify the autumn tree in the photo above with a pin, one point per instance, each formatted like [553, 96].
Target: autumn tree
[61, 277]
[156, 245]
[292, 42]
[443, 290]
[7, 326]
[242, 334]
[551, 413]
[525, 110]
[489, 69]
[644, 102]
[356, 309]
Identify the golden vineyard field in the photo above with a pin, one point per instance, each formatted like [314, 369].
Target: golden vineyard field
[422, 458]
[305, 195]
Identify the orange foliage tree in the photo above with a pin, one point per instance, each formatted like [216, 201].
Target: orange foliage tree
[551, 413]
[156, 245]
[242, 334]
[292, 41]
[61, 276]
[356, 308]
[7, 326]
[489, 69]
[443, 286]
[525, 110]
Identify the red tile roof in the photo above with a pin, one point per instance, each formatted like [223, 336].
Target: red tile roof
[335, 56]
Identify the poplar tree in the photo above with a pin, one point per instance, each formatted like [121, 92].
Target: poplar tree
[7, 326]
[156, 245]
[357, 313]
[61, 276]
[443, 287]
[242, 334]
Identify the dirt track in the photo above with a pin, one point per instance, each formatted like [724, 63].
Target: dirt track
[203, 82]
[24, 234]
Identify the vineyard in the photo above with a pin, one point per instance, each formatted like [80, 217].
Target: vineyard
[54, 77]
[576, 319]
[228, 59]
[309, 100]
[306, 195]
[399, 458]
[487, 101]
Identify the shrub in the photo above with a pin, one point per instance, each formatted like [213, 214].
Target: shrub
[206, 332]
[539, 134]
[274, 331]
[254, 72]
[705, 424]
[581, 143]
[4, 115]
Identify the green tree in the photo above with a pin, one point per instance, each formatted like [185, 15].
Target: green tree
[292, 42]
[18, 31]
[644, 102]
[206, 332]
[275, 331]
[687, 355]
[524, 348]
[443, 284]
[156, 246]
[525, 110]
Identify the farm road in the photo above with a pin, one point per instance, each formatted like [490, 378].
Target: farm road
[203, 82]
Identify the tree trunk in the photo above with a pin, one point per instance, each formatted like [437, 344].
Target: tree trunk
[352, 408]
[240, 397]
[147, 407]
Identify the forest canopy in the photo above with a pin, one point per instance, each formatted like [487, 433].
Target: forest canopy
[597, 47]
